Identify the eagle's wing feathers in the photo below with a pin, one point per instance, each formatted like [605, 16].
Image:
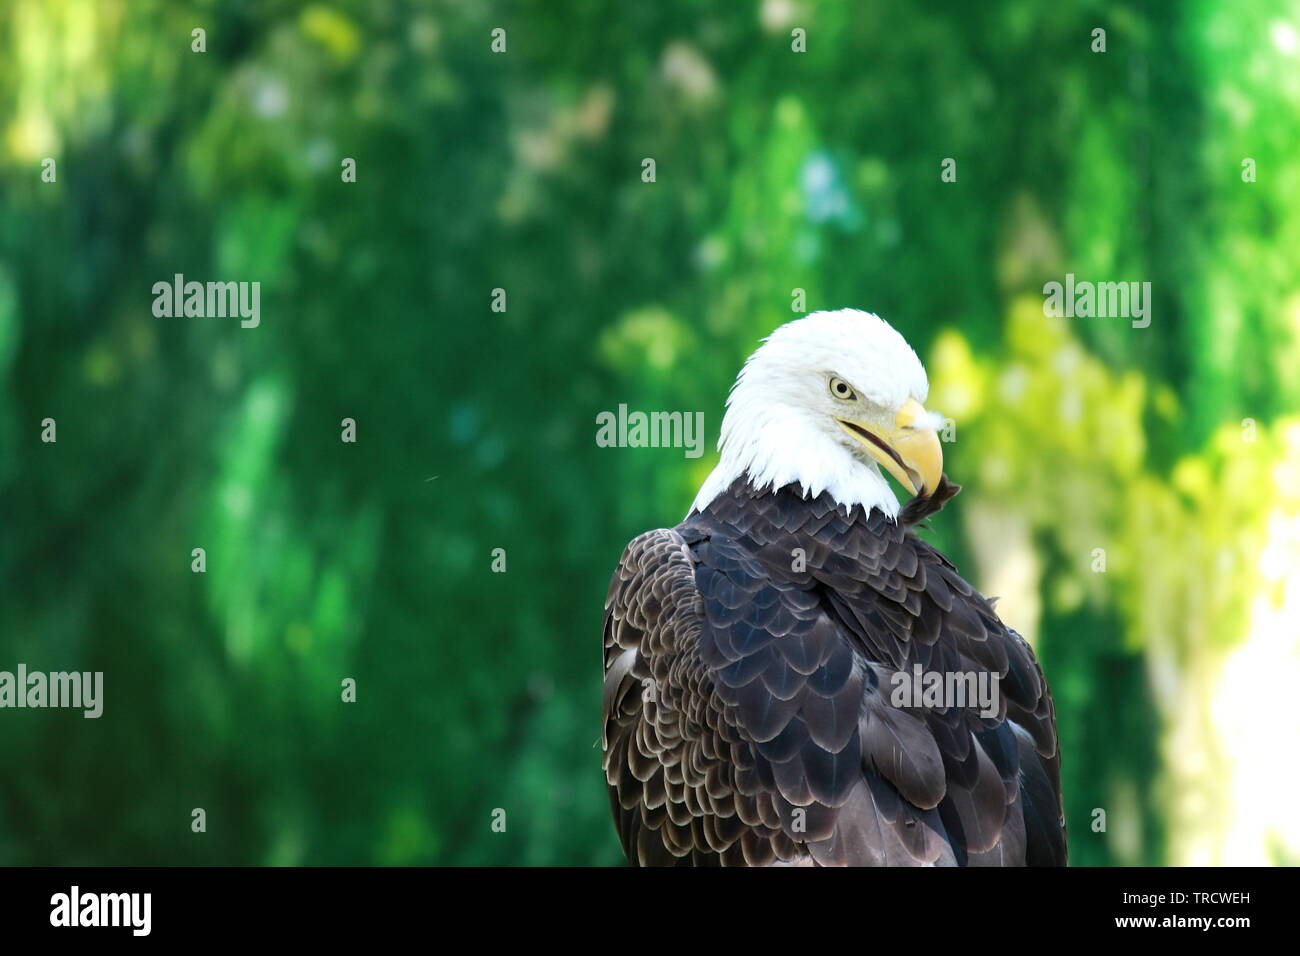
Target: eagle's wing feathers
[682, 777]
[749, 660]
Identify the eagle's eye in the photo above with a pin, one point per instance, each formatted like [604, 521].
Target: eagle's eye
[842, 389]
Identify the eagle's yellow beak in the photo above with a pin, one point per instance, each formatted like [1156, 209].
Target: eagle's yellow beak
[910, 452]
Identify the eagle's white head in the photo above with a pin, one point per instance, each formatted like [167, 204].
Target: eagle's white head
[823, 402]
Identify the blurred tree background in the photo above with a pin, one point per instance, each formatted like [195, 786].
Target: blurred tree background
[1171, 453]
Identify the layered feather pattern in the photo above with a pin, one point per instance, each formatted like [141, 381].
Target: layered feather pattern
[750, 654]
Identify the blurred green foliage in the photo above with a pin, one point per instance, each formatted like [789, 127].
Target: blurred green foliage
[521, 171]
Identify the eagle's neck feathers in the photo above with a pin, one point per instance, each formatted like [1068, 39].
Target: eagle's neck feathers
[774, 446]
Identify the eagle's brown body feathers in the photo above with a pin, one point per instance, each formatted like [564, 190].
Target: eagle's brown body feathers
[748, 661]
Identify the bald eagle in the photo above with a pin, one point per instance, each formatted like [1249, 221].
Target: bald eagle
[761, 656]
